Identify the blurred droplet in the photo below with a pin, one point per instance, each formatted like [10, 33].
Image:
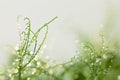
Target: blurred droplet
[104, 56]
[16, 70]
[17, 47]
[28, 78]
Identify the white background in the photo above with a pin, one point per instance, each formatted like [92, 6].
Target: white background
[73, 15]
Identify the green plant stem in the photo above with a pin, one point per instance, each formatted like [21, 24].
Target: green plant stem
[26, 43]
[35, 35]
[37, 49]
[19, 70]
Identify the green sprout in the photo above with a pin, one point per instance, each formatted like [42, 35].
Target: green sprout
[25, 55]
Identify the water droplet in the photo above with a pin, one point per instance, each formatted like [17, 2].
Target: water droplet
[71, 63]
[92, 63]
[86, 60]
[98, 60]
[16, 70]
[34, 70]
[36, 57]
[118, 77]
[24, 72]
[103, 47]
[92, 53]
[16, 60]
[28, 78]
[50, 71]
[12, 78]
[29, 65]
[10, 75]
[104, 56]
[110, 66]
[31, 52]
[17, 47]
[13, 63]
[38, 63]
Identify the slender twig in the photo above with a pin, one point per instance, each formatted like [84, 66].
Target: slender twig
[37, 49]
[26, 42]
